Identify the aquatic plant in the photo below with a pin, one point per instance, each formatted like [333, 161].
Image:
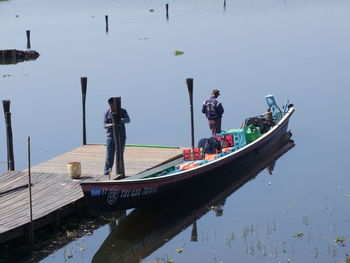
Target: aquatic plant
[178, 52]
[300, 234]
[340, 240]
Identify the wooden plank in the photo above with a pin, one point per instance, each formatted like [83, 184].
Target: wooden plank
[53, 190]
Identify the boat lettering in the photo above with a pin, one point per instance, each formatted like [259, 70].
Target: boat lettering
[125, 193]
[136, 192]
[114, 195]
[149, 190]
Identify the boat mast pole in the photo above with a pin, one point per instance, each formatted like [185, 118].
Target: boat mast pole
[189, 82]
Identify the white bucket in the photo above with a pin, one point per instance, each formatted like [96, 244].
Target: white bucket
[74, 169]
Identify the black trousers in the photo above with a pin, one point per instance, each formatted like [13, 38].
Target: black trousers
[215, 126]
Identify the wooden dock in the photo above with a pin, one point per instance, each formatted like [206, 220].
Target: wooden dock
[54, 193]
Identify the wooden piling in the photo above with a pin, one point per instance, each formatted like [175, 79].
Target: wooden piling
[224, 4]
[31, 227]
[117, 126]
[194, 234]
[106, 19]
[9, 138]
[167, 11]
[83, 81]
[189, 82]
[28, 39]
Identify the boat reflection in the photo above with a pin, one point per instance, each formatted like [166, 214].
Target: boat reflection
[146, 229]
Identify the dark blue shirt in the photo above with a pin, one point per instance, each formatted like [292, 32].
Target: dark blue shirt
[108, 120]
[213, 108]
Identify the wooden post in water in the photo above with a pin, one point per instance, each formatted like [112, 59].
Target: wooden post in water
[31, 227]
[167, 11]
[9, 139]
[189, 82]
[194, 234]
[224, 4]
[117, 126]
[28, 39]
[106, 19]
[83, 81]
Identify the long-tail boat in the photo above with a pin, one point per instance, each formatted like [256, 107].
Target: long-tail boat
[256, 137]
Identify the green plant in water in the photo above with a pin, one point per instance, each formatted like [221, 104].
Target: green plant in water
[178, 52]
[340, 240]
[300, 234]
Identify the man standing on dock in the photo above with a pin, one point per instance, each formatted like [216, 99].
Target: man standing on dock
[213, 110]
[108, 124]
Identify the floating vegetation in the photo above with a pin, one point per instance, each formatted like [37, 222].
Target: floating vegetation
[170, 261]
[300, 234]
[340, 241]
[151, 10]
[143, 38]
[347, 259]
[305, 220]
[179, 250]
[6, 75]
[178, 52]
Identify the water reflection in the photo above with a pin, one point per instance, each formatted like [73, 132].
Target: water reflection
[146, 229]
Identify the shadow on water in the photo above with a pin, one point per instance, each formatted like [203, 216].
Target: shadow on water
[146, 229]
[13, 56]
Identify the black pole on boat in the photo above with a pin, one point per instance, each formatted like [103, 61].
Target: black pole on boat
[106, 19]
[83, 81]
[28, 39]
[117, 126]
[9, 138]
[189, 82]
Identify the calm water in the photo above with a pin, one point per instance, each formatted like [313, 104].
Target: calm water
[292, 49]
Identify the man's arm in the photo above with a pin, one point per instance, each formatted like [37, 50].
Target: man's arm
[220, 108]
[125, 117]
[106, 123]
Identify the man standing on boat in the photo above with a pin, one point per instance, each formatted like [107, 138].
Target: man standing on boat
[213, 110]
[108, 124]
